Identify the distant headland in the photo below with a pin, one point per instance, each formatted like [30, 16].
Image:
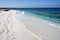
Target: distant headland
[4, 9]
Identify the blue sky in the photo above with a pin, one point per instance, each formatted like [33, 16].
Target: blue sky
[29, 3]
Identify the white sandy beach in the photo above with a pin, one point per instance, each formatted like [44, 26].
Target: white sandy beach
[13, 29]
[41, 29]
[20, 26]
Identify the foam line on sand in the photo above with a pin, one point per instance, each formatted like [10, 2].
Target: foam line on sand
[33, 34]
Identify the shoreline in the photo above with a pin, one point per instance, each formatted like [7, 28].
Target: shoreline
[42, 28]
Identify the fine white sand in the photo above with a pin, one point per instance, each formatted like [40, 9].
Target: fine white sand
[13, 29]
[41, 29]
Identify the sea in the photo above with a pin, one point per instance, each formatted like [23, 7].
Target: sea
[50, 14]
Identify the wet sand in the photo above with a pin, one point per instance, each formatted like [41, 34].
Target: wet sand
[42, 29]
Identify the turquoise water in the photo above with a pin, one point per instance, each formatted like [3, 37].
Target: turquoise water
[56, 20]
[51, 14]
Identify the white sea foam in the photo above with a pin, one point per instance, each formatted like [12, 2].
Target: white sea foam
[54, 25]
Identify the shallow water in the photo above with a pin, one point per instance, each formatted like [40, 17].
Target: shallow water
[51, 14]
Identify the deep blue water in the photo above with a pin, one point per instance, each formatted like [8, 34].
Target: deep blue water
[51, 14]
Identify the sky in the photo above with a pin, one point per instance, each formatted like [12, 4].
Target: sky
[29, 3]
